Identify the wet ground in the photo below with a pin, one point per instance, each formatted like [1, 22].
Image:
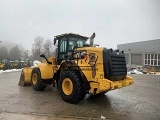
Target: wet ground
[140, 101]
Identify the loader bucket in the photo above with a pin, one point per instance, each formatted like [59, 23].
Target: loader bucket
[25, 78]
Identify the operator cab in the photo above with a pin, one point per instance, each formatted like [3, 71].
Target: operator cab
[67, 43]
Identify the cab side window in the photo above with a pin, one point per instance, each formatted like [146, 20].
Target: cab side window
[63, 46]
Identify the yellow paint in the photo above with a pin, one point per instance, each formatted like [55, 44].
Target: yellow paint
[91, 68]
[105, 85]
[98, 82]
[98, 65]
[46, 70]
[67, 86]
[2, 65]
[27, 74]
[93, 86]
[34, 79]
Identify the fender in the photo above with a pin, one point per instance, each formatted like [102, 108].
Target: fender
[63, 66]
[46, 70]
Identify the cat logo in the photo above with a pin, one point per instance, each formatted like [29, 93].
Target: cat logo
[92, 59]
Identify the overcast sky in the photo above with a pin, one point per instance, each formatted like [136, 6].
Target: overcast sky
[113, 21]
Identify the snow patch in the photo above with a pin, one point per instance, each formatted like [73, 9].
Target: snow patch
[35, 62]
[10, 70]
[134, 71]
[1, 71]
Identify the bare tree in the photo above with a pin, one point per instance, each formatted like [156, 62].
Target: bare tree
[48, 47]
[25, 54]
[37, 47]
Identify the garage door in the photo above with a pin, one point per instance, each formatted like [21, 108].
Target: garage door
[136, 59]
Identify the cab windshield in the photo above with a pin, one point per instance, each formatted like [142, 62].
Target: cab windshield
[72, 43]
[67, 44]
[76, 42]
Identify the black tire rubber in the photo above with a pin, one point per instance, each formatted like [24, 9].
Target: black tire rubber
[78, 92]
[38, 86]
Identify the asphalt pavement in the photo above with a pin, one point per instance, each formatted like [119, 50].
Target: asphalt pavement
[140, 101]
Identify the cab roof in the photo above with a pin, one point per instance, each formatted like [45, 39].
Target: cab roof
[70, 34]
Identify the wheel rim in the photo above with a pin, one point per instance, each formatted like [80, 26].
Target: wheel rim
[67, 86]
[34, 79]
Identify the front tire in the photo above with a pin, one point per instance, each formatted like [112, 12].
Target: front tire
[36, 80]
[71, 87]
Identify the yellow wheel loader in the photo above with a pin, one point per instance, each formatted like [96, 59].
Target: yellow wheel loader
[78, 69]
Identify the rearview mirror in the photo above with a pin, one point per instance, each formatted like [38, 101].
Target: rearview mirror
[42, 55]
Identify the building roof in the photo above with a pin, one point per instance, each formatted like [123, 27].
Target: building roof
[150, 46]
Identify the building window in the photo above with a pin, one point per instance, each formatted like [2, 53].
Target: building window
[148, 56]
[155, 56]
[152, 59]
[145, 56]
[152, 56]
[158, 56]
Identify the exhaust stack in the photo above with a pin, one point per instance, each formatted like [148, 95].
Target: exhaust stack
[92, 39]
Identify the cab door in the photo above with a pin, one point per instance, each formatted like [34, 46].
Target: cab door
[62, 51]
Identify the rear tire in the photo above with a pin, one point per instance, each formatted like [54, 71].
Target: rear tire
[71, 87]
[36, 80]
